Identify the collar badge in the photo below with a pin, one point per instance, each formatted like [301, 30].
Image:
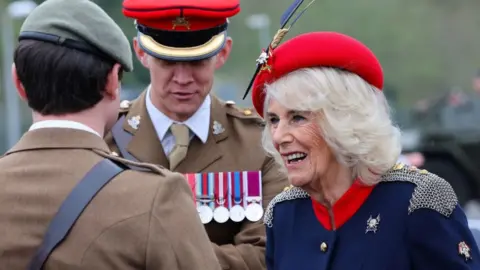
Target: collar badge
[134, 121]
[217, 128]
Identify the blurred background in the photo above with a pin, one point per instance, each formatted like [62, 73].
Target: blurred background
[430, 51]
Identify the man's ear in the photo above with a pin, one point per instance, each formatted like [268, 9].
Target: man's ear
[18, 84]
[223, 55]
[141, 55]
[112, 88]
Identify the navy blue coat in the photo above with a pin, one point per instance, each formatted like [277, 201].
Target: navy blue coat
[415, 224]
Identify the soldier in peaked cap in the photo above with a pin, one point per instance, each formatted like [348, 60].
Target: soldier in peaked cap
[58, 208]
[177, 123]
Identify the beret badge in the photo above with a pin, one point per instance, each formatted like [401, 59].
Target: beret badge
[286, 22]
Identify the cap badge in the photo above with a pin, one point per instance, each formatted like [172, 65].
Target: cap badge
[180, 21]
[217, 128]
[464, 250]
[262, 60]
[134, 121]
[288, 19]
[372, 224]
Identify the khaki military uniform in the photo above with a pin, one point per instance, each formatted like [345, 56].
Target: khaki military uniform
[134, 222]
[237, 147]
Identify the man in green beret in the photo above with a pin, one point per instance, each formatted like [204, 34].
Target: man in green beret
[68, 68]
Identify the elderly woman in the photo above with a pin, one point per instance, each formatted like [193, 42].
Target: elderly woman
[350, 205]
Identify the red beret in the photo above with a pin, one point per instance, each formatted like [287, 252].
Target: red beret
[181, 30]
[317, 49]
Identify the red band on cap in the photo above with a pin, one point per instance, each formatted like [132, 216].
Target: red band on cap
[166, 13]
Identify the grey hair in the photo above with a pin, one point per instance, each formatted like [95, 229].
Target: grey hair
[355, 118]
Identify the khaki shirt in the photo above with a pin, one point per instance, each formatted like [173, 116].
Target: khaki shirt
[239, 246]
[134, 222]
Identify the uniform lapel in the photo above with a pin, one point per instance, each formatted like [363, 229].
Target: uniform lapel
[145, 144]
[200, 155]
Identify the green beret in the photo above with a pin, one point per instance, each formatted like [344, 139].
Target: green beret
[81, 25]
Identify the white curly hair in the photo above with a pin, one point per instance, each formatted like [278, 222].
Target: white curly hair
[355, 118]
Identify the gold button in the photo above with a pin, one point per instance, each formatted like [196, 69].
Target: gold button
[323, 247]
[247, 112]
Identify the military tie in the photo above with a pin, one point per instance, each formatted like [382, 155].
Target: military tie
[179, 152]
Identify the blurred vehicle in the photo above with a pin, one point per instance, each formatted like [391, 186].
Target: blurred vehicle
[446, 133]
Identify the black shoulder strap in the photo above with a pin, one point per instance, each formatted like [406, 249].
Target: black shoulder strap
[122, 139]
[72, 208]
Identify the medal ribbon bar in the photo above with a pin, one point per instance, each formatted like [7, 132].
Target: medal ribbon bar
[253, 187]
[224, 195]
[211, 186]
[198, 188]
[253, 196]
[191, 180]
[221, 213]
[237, 211]
[220, 191]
